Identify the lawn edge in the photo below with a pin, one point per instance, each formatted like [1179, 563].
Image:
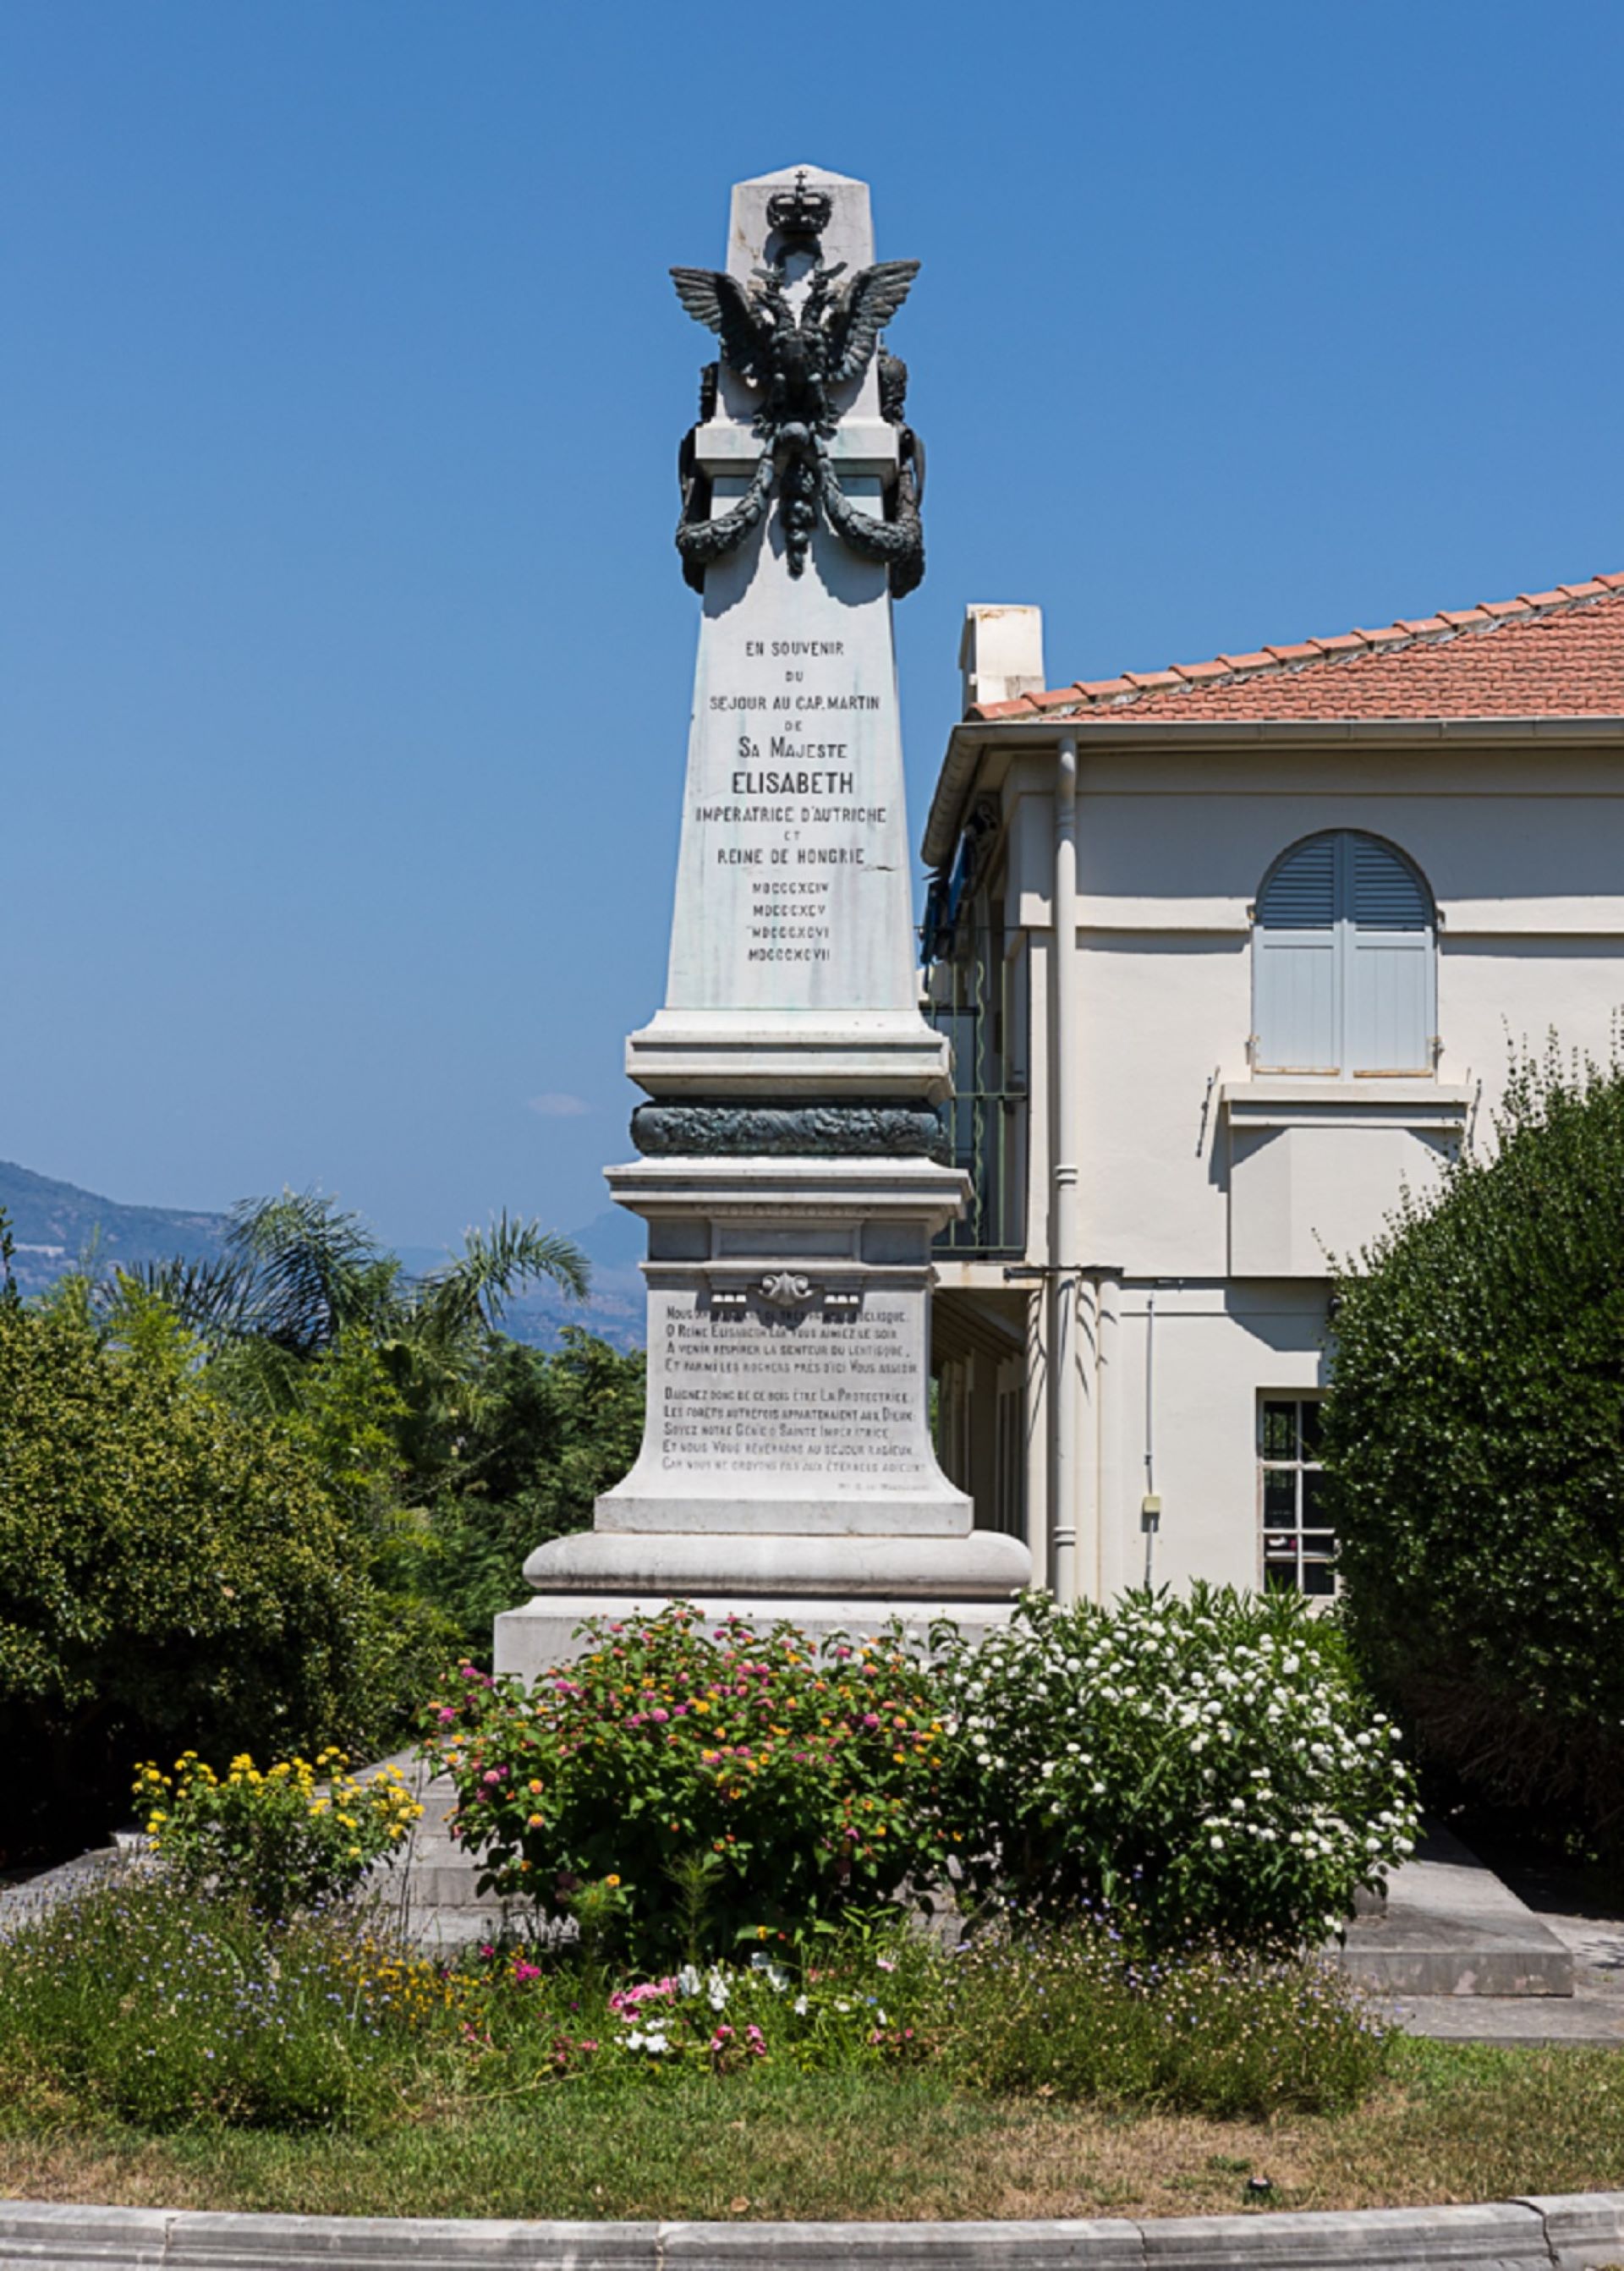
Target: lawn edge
[1571, 2231]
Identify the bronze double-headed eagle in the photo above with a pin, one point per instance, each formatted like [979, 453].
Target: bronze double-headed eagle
[797, 362]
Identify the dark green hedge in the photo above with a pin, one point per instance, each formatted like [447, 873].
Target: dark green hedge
[1474, 1442]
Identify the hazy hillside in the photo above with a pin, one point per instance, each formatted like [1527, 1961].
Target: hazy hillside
[58, 1225]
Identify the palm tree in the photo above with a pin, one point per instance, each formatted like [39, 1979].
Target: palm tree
[299, 1273]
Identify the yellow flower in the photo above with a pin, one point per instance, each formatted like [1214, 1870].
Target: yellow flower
[611, 1881]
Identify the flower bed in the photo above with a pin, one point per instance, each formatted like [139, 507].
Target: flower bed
[676, 1788]
[1209, 1760]
[1209, 1763]
[148, 2005]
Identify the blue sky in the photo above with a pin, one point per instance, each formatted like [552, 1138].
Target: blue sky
[346, 655]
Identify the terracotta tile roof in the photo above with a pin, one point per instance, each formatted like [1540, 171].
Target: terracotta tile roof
[1556, 653]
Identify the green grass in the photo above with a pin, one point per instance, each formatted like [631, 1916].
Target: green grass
[176, 2052]
[1454, 2123]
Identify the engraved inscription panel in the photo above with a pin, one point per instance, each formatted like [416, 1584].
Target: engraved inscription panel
[824, 1393]
[793, 890]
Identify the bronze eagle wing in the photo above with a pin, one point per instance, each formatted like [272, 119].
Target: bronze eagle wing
[861, 313]
[717, 302]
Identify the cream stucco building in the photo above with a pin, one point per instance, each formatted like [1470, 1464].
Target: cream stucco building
[1229, 955]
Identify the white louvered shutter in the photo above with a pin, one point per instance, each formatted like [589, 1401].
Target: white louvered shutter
[1391, 973]
[1296, 1010]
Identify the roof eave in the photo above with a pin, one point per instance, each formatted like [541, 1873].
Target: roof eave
[967, 742]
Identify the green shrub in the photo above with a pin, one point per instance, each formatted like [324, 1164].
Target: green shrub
[1209, 1760]
[172, 1574]
[163, 2010]
[1474, 1448]
[1069, 2014]
[280, 1840]
[714, 1784]
[549, 1434]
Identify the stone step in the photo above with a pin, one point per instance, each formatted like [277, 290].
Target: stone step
[1450, 1927]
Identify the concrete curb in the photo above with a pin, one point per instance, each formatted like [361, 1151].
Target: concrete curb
[1578, 2231]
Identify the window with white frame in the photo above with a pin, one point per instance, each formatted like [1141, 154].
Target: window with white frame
[1344, 960]
[1299, 1545]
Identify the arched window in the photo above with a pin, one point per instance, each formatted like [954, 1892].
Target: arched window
[1344, 967]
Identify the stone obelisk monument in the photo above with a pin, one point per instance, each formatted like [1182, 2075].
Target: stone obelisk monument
[792, 1169]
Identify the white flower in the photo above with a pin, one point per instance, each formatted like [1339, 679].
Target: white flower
[799, 2006]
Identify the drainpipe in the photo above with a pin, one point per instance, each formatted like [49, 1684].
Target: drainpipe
[1066, 1194]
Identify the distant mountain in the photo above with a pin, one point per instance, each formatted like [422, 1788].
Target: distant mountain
[56, 1226]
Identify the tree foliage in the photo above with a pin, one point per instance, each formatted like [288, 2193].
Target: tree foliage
[363, 1460]
[1474, 1444]
[303, 1284]
[557, 1430]
[171, 1572]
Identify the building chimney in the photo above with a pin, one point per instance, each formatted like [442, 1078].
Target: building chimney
[1001, 654]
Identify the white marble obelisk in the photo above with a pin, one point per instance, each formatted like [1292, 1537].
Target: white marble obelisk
[787, 1466]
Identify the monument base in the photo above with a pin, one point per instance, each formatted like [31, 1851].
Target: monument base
[787, 1467]
[852, 1584]
[544, 1632]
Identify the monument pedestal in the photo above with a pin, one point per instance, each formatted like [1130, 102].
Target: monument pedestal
[786, 1468]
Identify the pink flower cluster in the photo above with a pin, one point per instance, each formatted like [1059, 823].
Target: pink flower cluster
[754, 2041]
[626, 2002]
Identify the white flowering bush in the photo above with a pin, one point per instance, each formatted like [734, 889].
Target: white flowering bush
[1208, 1765]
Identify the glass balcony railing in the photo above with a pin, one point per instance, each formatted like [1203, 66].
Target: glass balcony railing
[968, 1000]
[989, 1144]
